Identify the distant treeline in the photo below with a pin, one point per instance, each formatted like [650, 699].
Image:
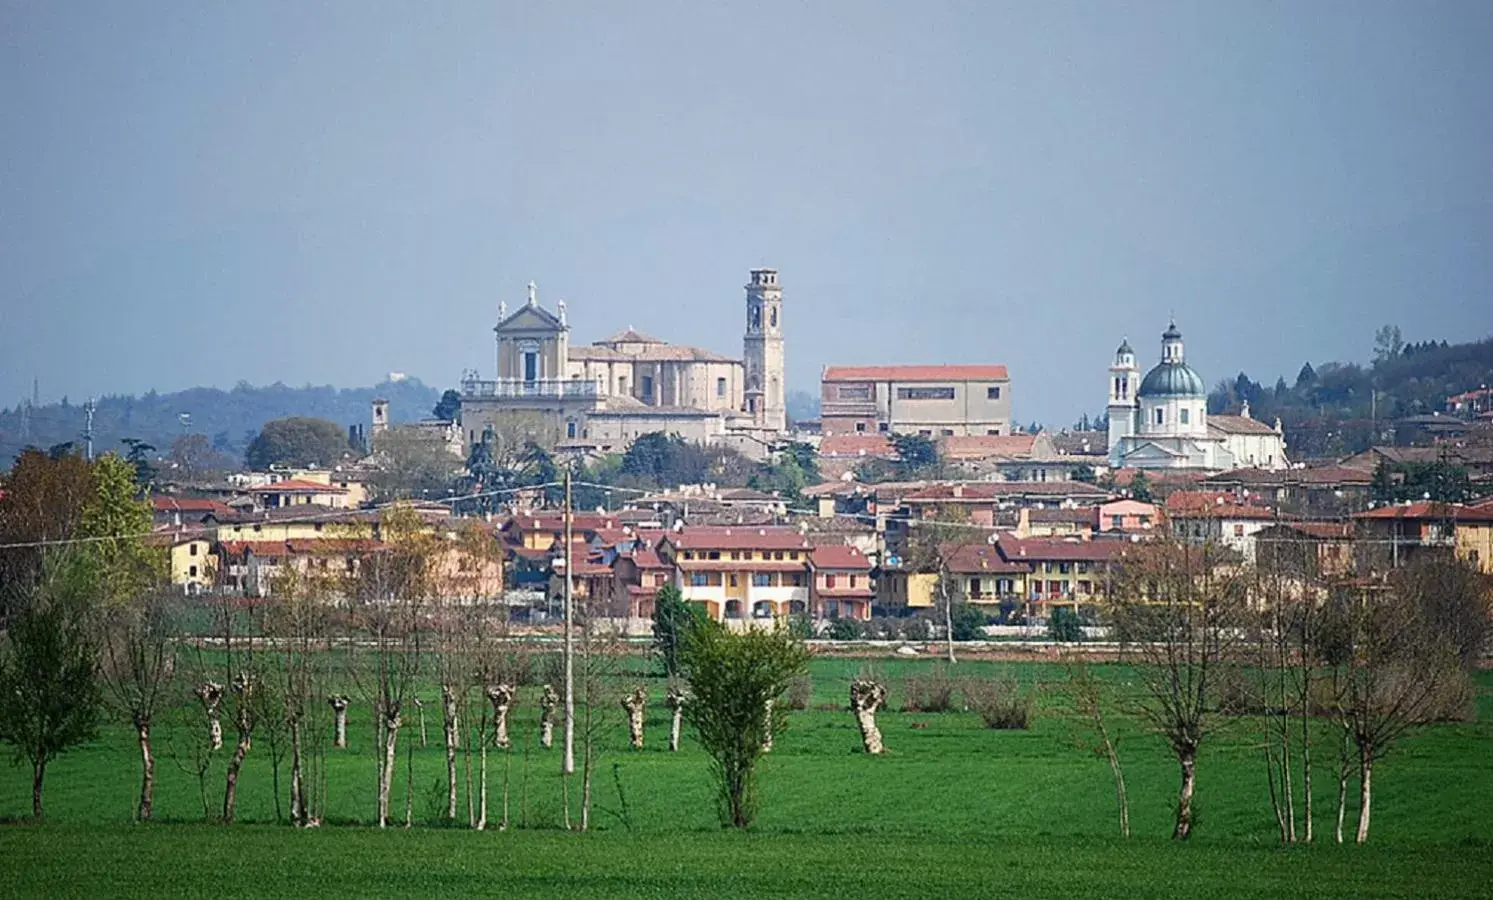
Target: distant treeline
[1335, 409]
[229, 419]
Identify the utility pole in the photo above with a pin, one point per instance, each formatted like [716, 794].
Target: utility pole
[568, 766]
[88, 428]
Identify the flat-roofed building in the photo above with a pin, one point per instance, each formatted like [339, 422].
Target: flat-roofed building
[933, 401]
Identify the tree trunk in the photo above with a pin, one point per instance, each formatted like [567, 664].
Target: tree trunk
[865, 698]
[1120, 796]
[1342, 789]
[452, 728]
[482, 785]
[236, 763]
[339, 710]
[420, 709]
[211, 695]
[391, 757]
[767, 729]
[298, 813]
[1365, 792]
[547, 703]
[501, 696]
[38, 773]
[1306, 762]
[1183, 828]
[636, 703]
[674, 728]
[147, 771]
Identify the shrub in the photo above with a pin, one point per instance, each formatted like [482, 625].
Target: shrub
[968, 623]
[843, 630]
[801, 626]
[1000, 703]
[930, 692]
[800, 692]
[917, 628]
[1064, 626]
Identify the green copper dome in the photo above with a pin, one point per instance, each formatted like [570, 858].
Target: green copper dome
[1172, 379]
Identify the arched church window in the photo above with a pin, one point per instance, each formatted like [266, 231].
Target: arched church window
[772, 318]
[754, 316]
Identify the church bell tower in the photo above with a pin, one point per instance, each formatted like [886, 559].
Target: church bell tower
[1124, 380]
[762, 351]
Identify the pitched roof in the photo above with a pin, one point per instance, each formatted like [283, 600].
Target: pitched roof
[629, 335]
[985, 446]
[877, 445]
[970, 559]
[1431, 509]
[297, 486]
[915, 373]
[659, 352]
[1320, 530]
[1081, 443]
[197, 505]
[839, 556]
[729, 538]
[1058, 550]
[986, 491]
[1239, 425]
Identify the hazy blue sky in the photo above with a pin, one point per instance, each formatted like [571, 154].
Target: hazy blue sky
[198, 193]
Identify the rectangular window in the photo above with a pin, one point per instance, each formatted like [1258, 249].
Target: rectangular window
[647, 383]
[698, 579]
[191, 549]
[1116, 521]
[948, 432]
[829, 581]
[531, 366]
[925, 393]
[720, 387]
[860, 427]
[882, 426]
[761, 579]
[992, 393]
[798, 579]
[570, 430]
[192, 572]
[854, 392]
[1160, 416]
[733, 579]
[1183, 415]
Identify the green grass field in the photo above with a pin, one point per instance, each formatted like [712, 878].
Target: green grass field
[951, 807]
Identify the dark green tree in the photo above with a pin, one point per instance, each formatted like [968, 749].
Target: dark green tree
[49, 696]
[916, 455]
[1085, 474]
[297, 441]
[447, 408]
[1140, 488]
[141, 456]
[1063, 626]
[673, 621]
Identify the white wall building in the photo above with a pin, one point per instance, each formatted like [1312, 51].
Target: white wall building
[1162, 422]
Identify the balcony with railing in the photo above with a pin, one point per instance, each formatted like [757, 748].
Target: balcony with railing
[519, 389]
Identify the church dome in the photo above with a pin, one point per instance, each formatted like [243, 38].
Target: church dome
[1172, 379]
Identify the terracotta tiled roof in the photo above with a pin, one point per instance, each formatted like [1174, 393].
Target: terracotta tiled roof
[651, 353]
[970, 559]
[1124, 477]
[1321, 530]
[737, 539]
[647, 559]
[915, 373]
[841, 556]
[629, 335]
[1053, 550]
[1430, 509]
[741, 565]
[878, 445]
[166, 503]
[296, 486]
[985, 446]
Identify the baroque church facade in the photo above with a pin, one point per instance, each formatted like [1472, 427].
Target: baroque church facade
[1161, 421]
[602, 395]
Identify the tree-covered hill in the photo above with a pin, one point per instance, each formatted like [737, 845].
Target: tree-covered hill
[229, 419]
[1338, 408]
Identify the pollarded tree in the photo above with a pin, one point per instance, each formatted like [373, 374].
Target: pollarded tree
[49, 696]
[139, 654]
[734, 679]
[1177, 610]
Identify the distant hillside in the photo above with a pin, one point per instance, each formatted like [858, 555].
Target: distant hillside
[1340, 408]
[228, 418]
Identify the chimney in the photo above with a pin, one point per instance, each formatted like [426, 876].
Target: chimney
[1024, 523]
[958, 491]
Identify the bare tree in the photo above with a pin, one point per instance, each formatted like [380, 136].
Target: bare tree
[635, 702]
[388, 593]
[866, 696]
[1177, 611]
[139, 660]
[1394, 664]
[677, 696]
[298, 622]
[1088, 700]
